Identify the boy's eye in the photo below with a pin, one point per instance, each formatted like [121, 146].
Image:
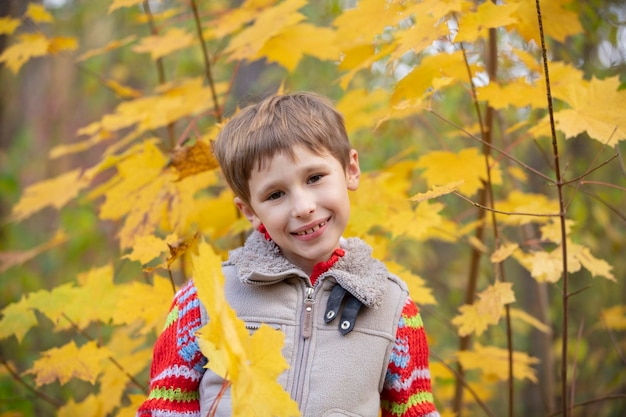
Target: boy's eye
[315, 178]
[275, 195]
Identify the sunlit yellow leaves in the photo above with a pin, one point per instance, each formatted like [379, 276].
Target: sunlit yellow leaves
[362, 108]
[517, 93]
[524, 317]
[172, 102]
[360, 25]
[232, 20]
[148, 309]
[69, 361]
[441, 69]
[38, 13]
[488, 15]
[8, 25]
[12, 258]
[55, 192]
[159, 46]
[288, 47]
[559, 22]
[468, 165]
[475, 318]
[614, 318]
[251, 363]
[248, 43]
[494, 363]
[193, 159]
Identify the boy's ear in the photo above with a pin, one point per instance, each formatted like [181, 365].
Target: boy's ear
[247, 211]
[353, 171]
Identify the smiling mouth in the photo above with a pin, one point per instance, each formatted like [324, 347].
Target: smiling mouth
[312, 230]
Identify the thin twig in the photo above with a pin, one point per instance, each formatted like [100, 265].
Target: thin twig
[592, 401]
[557, 170]
[207, 61]
[508, 213]
[35, 392]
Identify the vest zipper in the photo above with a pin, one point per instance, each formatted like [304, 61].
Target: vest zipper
[304, 344]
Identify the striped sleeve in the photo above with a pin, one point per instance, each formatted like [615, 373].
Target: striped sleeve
[177, 363]
[407, 391]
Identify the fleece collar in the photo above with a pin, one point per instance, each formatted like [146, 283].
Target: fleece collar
[260, 262]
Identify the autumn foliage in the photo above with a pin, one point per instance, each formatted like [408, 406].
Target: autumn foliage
[494, 184]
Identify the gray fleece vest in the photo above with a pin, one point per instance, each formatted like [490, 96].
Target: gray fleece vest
[329, 375]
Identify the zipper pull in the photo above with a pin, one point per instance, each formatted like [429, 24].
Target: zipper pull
[307, 313]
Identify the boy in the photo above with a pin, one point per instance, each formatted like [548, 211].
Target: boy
[354, 340]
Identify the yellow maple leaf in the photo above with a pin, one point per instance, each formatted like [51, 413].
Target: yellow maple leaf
[551, 231]
[55, 192]
[17, 319]
[543, 266]
[487, 310]
[597, 267]
[503, 252]
[69, 361]
[159, 46]
[473, 25]
[38, 13]
[8, 25]
[470, 321]
[494, 361]
[147, 309]
[148, 247]
[360, 25]
[250, 362]
[192, 160]
[362, 108]
[29, 45]
[13, 258]
[492, 300]
[121, 90]
[437, 191]
[559, 22]
[289, 46]
[467, 165]
[614, 318]
[419, 292]
[248, 43]
[89, 406]
[528, 319]
[597, 109]
[111, 46]
[118, 4]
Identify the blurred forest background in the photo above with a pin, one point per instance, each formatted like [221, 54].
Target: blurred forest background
[106, 184]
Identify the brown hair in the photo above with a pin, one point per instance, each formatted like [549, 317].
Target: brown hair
[276, 124]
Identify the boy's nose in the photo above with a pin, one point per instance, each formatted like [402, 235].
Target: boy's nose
[303, 205]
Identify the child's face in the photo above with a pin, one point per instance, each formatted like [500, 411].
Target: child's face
[303, 203]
